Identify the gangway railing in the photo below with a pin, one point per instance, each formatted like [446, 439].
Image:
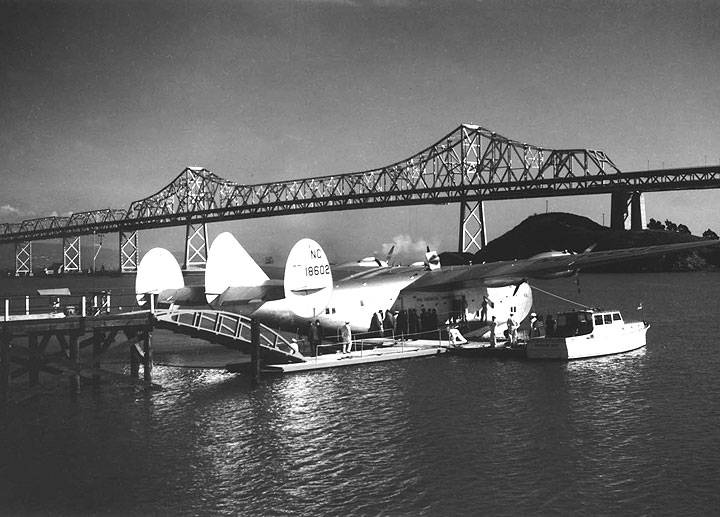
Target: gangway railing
[228, 329]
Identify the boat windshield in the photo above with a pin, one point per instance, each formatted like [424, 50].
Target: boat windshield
[573, 324]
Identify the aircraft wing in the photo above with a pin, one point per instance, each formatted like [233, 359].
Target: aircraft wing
[512, 272]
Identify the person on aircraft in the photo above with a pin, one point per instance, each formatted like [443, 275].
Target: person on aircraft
[483, 311]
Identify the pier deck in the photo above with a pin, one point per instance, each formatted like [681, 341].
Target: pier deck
[418, 348]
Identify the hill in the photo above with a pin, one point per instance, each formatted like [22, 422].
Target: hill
[563, 231]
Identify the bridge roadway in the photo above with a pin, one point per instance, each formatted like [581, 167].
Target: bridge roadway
[468, 166]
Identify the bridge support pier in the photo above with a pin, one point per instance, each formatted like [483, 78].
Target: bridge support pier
[23, 258]
[627, 211]
[473, 237]
[195, 246]
[129, 251]
[71, 254]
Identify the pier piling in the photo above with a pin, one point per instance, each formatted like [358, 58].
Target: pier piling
[255, 355]
[4, 366]
[97, 349]
[147, 357]
[34, 361]
[75, 360]
[134, 361]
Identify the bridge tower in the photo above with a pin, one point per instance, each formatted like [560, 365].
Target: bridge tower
[473, 236]
[195, 246]
[129, 251]
[71, 254]
[23, 258]
[627, 210]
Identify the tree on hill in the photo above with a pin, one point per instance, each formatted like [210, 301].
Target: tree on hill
[670, 226]
[681, 228]
[709, 234]
[655, 225]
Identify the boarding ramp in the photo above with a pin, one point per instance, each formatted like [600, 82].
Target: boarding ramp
[230, 330]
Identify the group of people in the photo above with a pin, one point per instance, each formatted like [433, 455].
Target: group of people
[315, 337]
[511, 332]
[403, 323]
[384, 323]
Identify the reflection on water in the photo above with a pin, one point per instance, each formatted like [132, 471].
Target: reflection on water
[630, 434]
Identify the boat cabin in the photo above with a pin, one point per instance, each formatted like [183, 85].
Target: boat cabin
[580, 323]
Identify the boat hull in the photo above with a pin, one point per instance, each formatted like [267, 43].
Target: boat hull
[630, 336]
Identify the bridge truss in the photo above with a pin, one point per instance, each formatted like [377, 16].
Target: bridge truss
[468, 166]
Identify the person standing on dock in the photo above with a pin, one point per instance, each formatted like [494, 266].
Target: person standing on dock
[412, 323]
[388, 324]
[401, 323]
[534, 325]
[493, 326]
[375, 325]
[346, 338]
[512, 330]
[315, 337]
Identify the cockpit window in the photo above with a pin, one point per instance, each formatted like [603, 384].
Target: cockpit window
[598, 320]
[616, 316]
[607, 318]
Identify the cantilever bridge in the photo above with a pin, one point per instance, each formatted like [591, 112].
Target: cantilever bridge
[468, 166]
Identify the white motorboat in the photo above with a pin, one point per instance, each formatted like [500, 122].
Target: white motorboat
[587, 333]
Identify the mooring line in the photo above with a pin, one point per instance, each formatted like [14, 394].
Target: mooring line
[560, 297]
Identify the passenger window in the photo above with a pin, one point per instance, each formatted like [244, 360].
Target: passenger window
[598, 320]
[616, 316]
[327, 310]
[607, 318]
[333, 310]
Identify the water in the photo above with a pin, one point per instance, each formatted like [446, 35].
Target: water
[630, 434]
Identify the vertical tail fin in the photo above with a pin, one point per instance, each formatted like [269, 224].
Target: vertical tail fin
[308, 279]
[158, 271]
[229, 265]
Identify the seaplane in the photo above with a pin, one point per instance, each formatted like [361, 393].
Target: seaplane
[308, 292]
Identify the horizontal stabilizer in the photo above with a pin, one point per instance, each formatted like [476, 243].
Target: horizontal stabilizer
[187, 296]
[236, 298]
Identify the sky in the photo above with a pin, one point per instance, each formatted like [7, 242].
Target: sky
[104, 102]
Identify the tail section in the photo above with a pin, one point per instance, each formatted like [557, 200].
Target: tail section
[158, 271]
[229, 265]
[308, 279]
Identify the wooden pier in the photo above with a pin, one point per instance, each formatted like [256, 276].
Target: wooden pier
[74, 347]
